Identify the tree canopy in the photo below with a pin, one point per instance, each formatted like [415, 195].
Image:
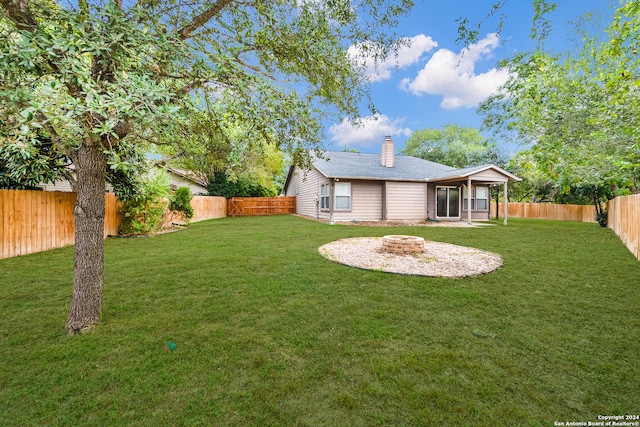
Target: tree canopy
[578, 111]
[453, 145]
[99, 76]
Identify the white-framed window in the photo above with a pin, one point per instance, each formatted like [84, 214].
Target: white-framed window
[324, 197]
[479, 198]
[343, 196]
[482, 198]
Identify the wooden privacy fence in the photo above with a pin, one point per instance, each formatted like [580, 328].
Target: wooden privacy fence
[624, 220]
[256, 206]
[579, 213]
[35, 221]
[208, 207]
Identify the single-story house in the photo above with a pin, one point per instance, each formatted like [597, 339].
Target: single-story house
[347, 186]
[177, 177]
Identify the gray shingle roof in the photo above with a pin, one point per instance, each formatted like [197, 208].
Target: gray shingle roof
[338, 164]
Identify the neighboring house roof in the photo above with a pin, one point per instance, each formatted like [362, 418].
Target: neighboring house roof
[188, 175]
[347, 165]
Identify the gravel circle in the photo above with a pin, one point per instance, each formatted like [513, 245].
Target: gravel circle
[437, 260]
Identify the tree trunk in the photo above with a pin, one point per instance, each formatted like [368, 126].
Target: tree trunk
[86, 303]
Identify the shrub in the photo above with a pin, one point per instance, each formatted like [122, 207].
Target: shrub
[181, 202]
[144, 210]
[602, 217]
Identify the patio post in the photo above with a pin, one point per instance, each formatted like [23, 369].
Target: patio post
[505, 201]
[469, 200]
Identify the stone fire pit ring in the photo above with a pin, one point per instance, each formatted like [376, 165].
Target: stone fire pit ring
[402, 244]
[436, 259]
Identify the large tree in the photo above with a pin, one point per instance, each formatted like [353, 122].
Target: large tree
[453, 145]
[578, 111]
[99, 74]
[214, 148]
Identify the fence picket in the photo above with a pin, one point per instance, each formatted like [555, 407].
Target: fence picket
[624, 220]
[259, 206]
[35, 221]
[579, 213]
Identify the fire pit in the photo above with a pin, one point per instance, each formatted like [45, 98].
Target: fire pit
[402, 245]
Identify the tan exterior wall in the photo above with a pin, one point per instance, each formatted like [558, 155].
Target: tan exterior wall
[431, 201]
[488, 176]
[475, 215]
[305, 187]
[366, 202]
[406, 200]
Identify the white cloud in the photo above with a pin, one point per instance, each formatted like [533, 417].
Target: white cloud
[411, 51]
[453, 76]
[370, 132]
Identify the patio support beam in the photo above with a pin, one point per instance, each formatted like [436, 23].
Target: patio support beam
[505, 201]
[469, 195]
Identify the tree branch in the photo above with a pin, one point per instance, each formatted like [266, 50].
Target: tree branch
[19, 12]
[200, 20]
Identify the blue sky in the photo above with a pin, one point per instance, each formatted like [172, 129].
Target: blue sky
[431, 84]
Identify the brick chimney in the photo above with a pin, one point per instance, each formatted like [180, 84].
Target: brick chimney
[386, 156]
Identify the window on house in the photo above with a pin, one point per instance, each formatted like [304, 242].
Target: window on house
[482, 198]
[343, 196]
[324, 196]
[479, 198]
[465, 199]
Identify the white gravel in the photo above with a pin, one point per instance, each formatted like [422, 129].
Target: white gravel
[437, 260]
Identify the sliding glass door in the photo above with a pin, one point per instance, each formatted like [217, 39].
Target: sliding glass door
[448, 202]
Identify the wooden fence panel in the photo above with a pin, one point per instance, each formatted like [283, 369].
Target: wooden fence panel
[208, 207]
[35, 221]
[579, 213]
[624, 220]
[257, 206]
[112, 216]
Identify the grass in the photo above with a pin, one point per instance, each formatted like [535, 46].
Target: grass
[270, 333]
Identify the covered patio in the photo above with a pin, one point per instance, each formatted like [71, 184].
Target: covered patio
[469, 180]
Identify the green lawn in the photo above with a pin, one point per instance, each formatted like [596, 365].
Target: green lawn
[270, 333]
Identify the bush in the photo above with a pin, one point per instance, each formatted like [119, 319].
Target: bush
[602, 217]
[221, 185]
[181, 202]
[144, 210]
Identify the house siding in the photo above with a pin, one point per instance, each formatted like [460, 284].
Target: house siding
[60, 185]
[488, 176]
[196, 189]
[475, 215]
[366, 202]
[305, 187]
[431, 201]
[406, 200]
